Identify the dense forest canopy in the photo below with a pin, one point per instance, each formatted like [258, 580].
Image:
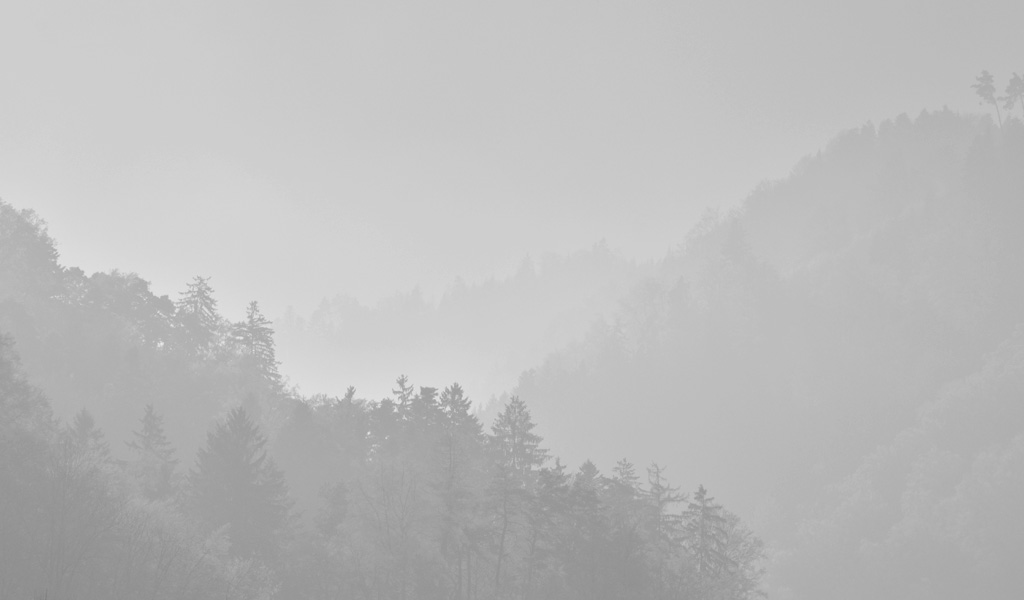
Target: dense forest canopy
[839, 358]
[839, 361]
[150, 447]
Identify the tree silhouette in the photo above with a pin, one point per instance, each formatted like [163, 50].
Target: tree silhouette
[1014, 93]
[255, 338]
[985, 87]
[197, 314]
[707, 535]
[156, 463]
[518, 456]
[235, 485]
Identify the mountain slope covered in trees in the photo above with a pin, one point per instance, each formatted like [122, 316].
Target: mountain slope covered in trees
[150, 449]
[838, 357]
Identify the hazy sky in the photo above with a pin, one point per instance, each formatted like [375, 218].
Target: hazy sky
[294, 150]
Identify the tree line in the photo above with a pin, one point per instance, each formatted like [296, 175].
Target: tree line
[423, 504]
[408, 496]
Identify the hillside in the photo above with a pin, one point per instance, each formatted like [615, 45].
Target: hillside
[150, 447]
[485, 333]
[843, 326]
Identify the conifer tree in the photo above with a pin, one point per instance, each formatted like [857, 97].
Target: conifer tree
[82, 507]
[462, 473]
[512, 436]
[664, 525]
[235, 485]
[88, 440]
[518, 457]
[985, 87]
[255, 338]
[156, 462]
[197, 315]
[1014, 93]
[403, 393]
[707, 536]
[586, 557]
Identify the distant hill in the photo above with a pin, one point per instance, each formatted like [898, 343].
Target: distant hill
[839, 358]
[484, 334]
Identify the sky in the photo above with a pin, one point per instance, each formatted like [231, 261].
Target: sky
[296, 150]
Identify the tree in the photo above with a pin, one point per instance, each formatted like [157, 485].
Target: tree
[512, 436]
[708, 538]
[82, 507]
[518, 456]
[462, 473]
[26, 428]
[587, 563]
[403, 393]
[235, 485]
[255, 337]
[746, 553]
[197, 314]
[28, 257]
[155, 463]
[986, 89]
[549, 523]
[1014, 93]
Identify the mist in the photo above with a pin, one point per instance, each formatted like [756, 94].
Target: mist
[455, 301]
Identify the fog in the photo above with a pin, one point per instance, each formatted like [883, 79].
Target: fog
[545, 300]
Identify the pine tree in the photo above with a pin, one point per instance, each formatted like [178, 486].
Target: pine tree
[235, 485]
[81, 503]
[985, 87]
[255, 339]
[587, 567]
[403, 393]
[1014, 93]
[549, 522]
[512, 436]
[423, 410]
[518, 457]
[198, 317]
[156, 462]
[88, 440]
[662, 524]
[462, 472]
[708, 538]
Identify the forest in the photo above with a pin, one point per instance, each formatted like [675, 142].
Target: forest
[839, 361]
[212, 479]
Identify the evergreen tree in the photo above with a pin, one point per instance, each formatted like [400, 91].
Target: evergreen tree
[708, 538]
[518, 456]
[661, 529]
[512, 436]
[156, 463]
[255, 338]
[550, 521]
[587, 565]
[462, 473]
[403, 393]
[663, 525]
[197, 315]
[423, 412]
[1014, 93]
[88, 440]
[235, 485]
[82, 505]
[985, 87]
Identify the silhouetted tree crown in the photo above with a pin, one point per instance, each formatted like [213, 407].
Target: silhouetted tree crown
[235, 485]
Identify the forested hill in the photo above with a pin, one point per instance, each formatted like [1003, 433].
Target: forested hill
[149, 448]
[486, 333]
[840, 357]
